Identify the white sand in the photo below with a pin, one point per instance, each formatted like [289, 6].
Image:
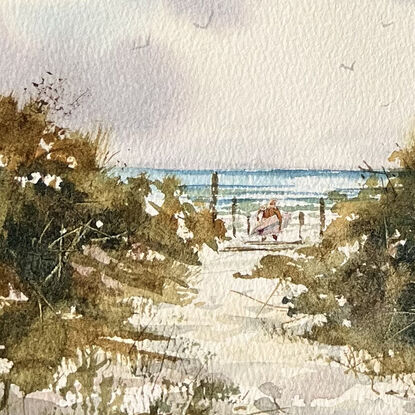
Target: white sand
[248, 350]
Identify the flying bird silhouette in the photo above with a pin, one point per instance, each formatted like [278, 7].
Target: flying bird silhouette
[206, 25]
[386, 104]
[385, 25]
[145, 45]
[348, 68]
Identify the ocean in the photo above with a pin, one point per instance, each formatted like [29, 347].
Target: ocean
[294, 190]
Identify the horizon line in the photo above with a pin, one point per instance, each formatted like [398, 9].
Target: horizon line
[205, 170]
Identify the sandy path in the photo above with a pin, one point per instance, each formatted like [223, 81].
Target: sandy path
[248, 351]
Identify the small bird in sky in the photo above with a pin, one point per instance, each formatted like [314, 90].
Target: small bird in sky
[348, 68]
[206, 25]
[385, 25]
[145, 45]
[385, 105]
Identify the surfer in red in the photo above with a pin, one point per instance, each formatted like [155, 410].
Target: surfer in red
[268, 212]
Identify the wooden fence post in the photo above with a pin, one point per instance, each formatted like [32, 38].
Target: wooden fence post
[233, 216]
[214, 189]
[248, 224]
[301, 221]
[322, 216]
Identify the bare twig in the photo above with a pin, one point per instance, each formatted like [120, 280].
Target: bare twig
[45, 230]
[52, 273]
[141, 333]
[60, 256]
[41, 296]
[402, 330]
[259, 301]
[269, 298]
[370, 168]
[267, 411]
[106, 235]
[389, 180]
[163, 359]
[79, 97]
[400, 312]
[108, 157]
[52, 244]
[77, 239]
[40, 311]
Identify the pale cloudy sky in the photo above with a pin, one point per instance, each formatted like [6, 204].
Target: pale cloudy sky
[260, 87]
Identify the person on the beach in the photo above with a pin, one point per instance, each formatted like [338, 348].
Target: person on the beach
[269, 211]
[260, 213]
[272, 210]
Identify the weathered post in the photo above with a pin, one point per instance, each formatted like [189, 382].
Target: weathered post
[301, 222]
[214, 188]
[248, 224]
[234, 202]
[322, 216]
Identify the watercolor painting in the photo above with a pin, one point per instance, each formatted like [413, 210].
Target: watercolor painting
[207, 207]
